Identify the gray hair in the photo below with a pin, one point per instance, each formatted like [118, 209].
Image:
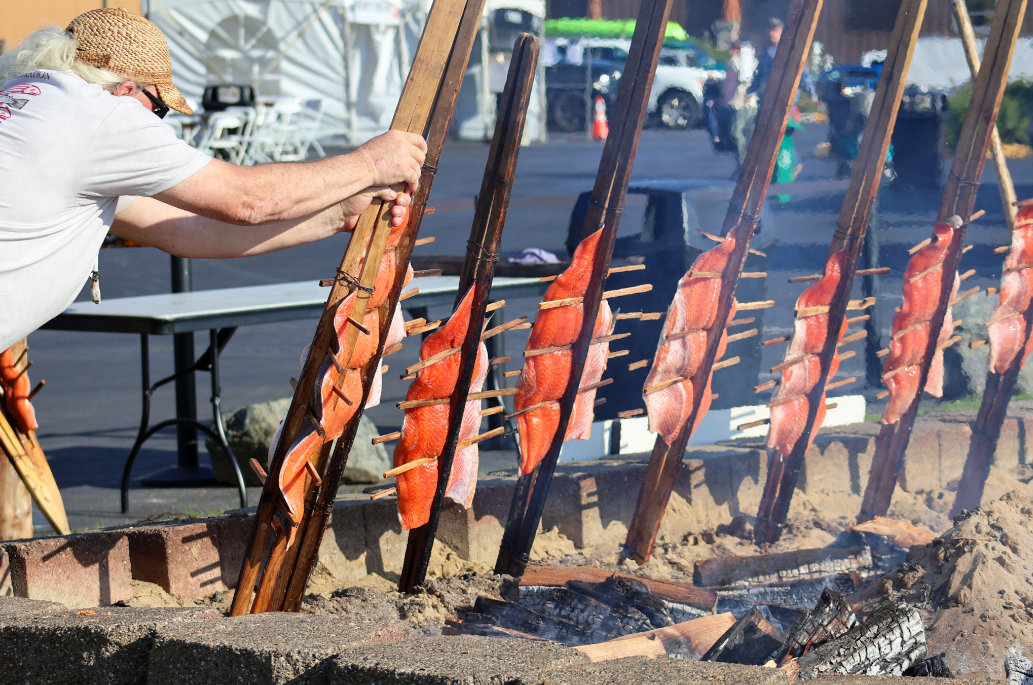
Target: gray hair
[54, 48]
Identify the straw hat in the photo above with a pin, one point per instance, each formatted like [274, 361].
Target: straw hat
[129, 45]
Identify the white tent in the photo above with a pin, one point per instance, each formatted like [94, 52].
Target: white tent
[352, 54]
[474, 118]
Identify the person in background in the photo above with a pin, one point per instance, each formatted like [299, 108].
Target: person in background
[787, 165]
[738, 108]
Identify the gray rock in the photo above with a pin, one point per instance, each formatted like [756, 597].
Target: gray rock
[250, 429]
[965, 369]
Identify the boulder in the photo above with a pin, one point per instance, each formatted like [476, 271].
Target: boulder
[250, 429]
[965, 369]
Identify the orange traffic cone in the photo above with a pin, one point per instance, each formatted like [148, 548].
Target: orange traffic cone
[600, 127]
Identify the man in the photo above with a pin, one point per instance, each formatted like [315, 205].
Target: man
[739, 107]
[766, 58]
[83, 151]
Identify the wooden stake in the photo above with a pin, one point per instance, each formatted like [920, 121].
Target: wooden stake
[749, 306]
[752, 424]
[629, 413]
[380, 439]
[860, 335]
[965, 295]
[259, 471]
[858, 319]
[741, 322]
[742, 336]
[732, 361]
[839, 384]
[766, 385]
[775, 341]
[642, 363]
[424, 273]
[483, 395]
[920, 245]
[976, 343]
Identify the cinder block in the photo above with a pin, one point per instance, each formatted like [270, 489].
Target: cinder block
[6, 588]
[921, 467]
[953, 439]
[95, 647]
[385, 539]
[476, 533]
[1007, 454]
[233, 534]
[833, 465]
[342, 553]
[264, 649]
[78, 571]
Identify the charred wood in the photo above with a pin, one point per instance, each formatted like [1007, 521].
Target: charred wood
[668, 590]
[933, 667]
[888, 643]
[751, 641]
[829, 619]
[764, 569]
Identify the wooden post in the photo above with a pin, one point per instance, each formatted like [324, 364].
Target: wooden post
[478, 272]
[423, 89]
[743, 215]
[959, 197]
[15, 504]
[783, 469]
[604, 212]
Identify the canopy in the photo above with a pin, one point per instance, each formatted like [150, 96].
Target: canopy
[352, 54]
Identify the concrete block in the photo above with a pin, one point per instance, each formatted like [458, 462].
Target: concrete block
[1009, 444]
[954, 439]
[16, 608]
[103, 647]
[921, 467]
[475, 533]
[78, 571]
[832, 458]
[232, 538]
[342, 553]
[6, 588]
[261, 650]
[385, 539]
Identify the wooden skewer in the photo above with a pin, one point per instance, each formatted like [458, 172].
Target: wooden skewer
[415, 323]
[499, 360]
[977, 215]
[511, 374]
[312, 472]
[893, 372]
[39, 386]
[315, 423]
[424, 241]
[651, 316]
[424, 273]
[629, 413]
[638, 365]
[682, 334]
[752, 424]
[495, 305]
[847, 355]
[663, 385]
[1002, 249]
[525, 410]
[386, 491]
[1002, 318]
[741, 322]
[802, 279]
[813, 310]
[950, 342]
[753, 274]
[731, 361]
[384, 368]
[414, 464]
[362, 329]
[786, 400]
[926, 272]
[990, 292]
[775, 341]
[860, 304]
[429, 210]
[920, 245]
[977, 343]
[912, 327]
[957, 322]
[719, 239]
[1018, 267]
[566, 301]
[336, 361]
[411, 292]
[561, 348]
[873, 272]
[741, 336]
[858, 319]
[851, 338]
[340, 393]
[480, 438]
[971, 272]
[425, 328]
[882, 394]
[791, 362]
[484, 394]
[705, 274]
[23, 371]
[491, 411]
[387, 438]
[767, 385]
[259, 471]
[618, 353]
[633, 290]
[628, 315]
[964, 295]
[600, 401]
[831, 405]
[839, 384]
[593, 386]
[397, 347]
[433, 359]
[1022, 203]
[748, 306]
[515, 324]
[966, 248]
[882, 353]
[622, 269]
[293, 383]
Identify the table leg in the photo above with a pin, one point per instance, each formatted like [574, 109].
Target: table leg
[186, 388]
[220, 429]
[145, 417]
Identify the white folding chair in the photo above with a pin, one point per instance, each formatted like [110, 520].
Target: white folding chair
[272, 132]
[305, 126]
[225, 133]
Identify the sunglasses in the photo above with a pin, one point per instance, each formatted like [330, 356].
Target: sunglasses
[160, 109]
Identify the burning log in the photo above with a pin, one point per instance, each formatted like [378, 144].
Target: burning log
[763, 569]
[888, 643]
[831, 617]
[670, 590]
[751, 641]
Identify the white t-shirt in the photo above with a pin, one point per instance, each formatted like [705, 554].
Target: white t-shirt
[68, 151]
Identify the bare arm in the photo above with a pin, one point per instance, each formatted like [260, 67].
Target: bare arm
[271, 193]
[177, 231]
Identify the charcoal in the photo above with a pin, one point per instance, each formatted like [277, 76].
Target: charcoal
[831, 617]
[1018, 670]
[933, 667]
[751, 641]
[801, 594]
[626, 596]
[783, 567]
[515, 617]
[888, 643]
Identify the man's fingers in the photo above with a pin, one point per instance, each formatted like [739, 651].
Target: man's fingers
[417, 140]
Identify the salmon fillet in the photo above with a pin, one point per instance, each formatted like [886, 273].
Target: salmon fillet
[17, 387]
[789, 418]
[395, 335]
[545, 376]
[425, 429]
[1008, 330]
[692, 313]
[911, 325]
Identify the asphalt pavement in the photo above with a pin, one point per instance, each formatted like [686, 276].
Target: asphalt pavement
[90, 410]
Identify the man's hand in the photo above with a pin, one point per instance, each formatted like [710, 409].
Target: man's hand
[355, 205]
[394, 157]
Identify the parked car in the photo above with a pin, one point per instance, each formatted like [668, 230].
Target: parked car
[676, 98]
